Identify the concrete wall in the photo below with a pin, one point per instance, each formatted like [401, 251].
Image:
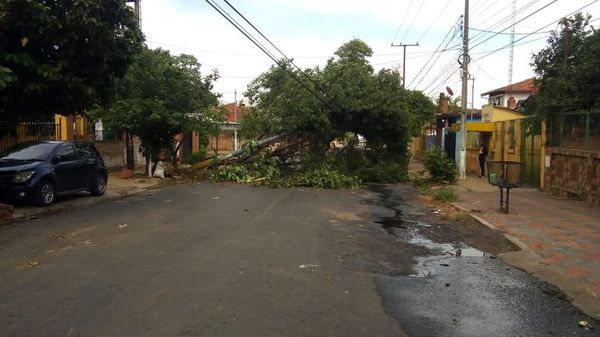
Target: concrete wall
[573, 173]
[113, 153]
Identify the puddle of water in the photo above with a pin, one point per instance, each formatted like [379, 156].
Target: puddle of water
[444, 248]
[427, 265]
[391, 223]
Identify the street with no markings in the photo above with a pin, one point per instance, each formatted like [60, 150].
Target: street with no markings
[204, 259]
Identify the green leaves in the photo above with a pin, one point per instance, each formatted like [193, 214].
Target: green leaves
[160, 96]
[64, 56]
[568, 69]
[351, 97]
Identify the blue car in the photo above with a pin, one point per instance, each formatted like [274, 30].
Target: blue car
[40, 171]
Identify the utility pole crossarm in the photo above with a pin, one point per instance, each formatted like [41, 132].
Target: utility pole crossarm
[404, 59]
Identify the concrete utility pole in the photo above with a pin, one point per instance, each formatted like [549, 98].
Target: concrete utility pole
[472, 96]
[462, 168]
[404, 59]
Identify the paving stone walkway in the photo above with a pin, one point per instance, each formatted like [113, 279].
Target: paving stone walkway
[565, 234]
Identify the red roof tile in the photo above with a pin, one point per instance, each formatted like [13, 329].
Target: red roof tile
[523, 86]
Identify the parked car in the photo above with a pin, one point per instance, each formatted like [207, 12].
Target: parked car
[39, 171]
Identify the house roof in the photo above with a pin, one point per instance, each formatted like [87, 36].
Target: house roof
[231, 113]
[523, 86]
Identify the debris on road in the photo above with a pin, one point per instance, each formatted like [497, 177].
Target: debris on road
[32, 263]
[86, 242]
[60, 236]
[122, 226]
[304, 266]
[215, 198]
[584, 324]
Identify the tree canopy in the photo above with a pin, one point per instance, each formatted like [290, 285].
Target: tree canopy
[346, 96]
[62, 56]
[568, 69]
[160, 96]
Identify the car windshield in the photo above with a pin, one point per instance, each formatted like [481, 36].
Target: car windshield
[28, 151]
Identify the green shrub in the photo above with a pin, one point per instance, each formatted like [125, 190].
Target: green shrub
[261, 168]
[325, 177]
[444, 194]
[386, 172]
[440, 167]
[237, 173]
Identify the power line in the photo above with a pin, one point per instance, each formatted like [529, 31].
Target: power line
[501, 33]
[544, 27]
[452, 29]
[403, 19]
[260, 46]
[504, 19]
[413, 20]
[526, 17]
[434, 21]
[276, 48]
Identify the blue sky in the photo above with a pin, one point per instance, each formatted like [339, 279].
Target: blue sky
[311, 30]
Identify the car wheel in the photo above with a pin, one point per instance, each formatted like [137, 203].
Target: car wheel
[46, 193]
[98, 185]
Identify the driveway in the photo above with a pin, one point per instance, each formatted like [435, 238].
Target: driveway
[229, 260]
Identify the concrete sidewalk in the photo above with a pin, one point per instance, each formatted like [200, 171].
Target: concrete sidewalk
[559, 238]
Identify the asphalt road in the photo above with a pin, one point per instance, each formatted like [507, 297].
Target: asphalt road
[229, 260]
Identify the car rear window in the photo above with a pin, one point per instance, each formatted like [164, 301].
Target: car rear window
[86, 151]
[28, 151]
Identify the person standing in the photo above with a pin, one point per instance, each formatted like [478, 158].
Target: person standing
[482, 155]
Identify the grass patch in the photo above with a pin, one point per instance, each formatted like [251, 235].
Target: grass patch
[445, 194]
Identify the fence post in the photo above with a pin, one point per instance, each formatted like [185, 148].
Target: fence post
[587, 130]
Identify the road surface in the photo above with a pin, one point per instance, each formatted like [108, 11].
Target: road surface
[208, 259]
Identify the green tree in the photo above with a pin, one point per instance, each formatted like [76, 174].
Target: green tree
[347, 96]
[160, 96]
[62, 56]
[568, 69]
[280, 104]
[373, 104]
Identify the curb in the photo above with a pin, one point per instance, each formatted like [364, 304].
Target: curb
[527, 260]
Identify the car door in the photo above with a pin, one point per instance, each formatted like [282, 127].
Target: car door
[67, 167]
[89, 163]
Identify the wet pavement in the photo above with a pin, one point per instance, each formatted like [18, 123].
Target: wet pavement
[230, 260]
[458, 290]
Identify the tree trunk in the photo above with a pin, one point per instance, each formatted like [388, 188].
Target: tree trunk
[129, 150]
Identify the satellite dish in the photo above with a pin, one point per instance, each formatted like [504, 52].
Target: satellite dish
[450, 92]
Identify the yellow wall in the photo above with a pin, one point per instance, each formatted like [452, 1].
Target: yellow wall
[502, 135]
[69, 128]
[62, 121]
[492, 114]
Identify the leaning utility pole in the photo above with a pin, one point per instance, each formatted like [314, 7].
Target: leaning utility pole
[462, 168]
[404, 59]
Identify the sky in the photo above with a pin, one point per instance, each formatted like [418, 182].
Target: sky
[309, 31]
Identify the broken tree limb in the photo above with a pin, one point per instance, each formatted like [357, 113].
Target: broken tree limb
[215, 160]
